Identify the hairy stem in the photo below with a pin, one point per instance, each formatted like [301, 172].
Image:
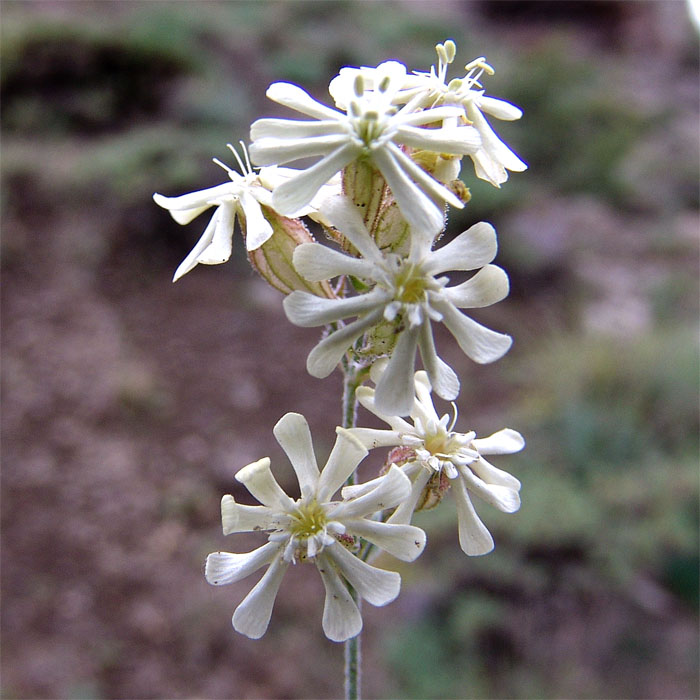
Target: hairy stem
[353, 376]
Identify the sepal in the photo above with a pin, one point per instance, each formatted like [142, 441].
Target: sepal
[364, 185]
[273, 260]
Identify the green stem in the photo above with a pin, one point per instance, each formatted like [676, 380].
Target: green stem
[353, 376]
[353, 663]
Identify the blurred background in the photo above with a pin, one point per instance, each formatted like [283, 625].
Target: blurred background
[129, 403]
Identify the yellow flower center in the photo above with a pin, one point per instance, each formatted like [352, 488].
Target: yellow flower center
[369, 127]
[410, 285]
[437, 443]
[308, 520]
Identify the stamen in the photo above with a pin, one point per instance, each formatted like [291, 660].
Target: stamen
[480, 63]
[247, 158]
[450, 50]
[442, 54]
[224, 166]
[384, 85]
[454, 418]
[238, 159]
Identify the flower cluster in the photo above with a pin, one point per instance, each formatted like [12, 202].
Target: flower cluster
[386, 165]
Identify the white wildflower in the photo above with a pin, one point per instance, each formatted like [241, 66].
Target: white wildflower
[407, 291]
[437, 452]
[493, 158]
[241, 197]
[314, 528]
[370, 127]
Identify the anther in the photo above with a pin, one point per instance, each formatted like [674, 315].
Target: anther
[359, 85]
[442, 54]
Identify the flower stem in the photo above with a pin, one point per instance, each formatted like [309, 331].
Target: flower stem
[353, 376]
[353, 664]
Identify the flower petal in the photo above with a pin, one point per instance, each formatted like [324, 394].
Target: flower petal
[418, 209]
[435, 190]
[365, 395]
[252, 616]
[372, 438]
[503, 442]
[478, 342]
[316, 262]
[293, 434]
[392, 488]
[492, 475]
[376, 586]
[257, 227]
[492, 144]
[394, 392]
[459, 140]
[225, 567]
[258, 479]
[344, 216]
[219, 250]
[404, 542]
[236, 517]
[271, 151]
[188, 206]
[442, 377]
[504, 498]
[293, 129]
[429, 116]
[341, 617]
[346, 454]
[295, 98]
[325, 356]
[296, 193]
[488, 168]
[470, 250]
[488, 286]
[308, 310]
[474, 538]
[404, 513]
[191, 260]
[499, 108]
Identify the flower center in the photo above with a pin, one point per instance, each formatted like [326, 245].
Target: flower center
[409, 285]
[308, 520]
[437, 443]
[369, 128]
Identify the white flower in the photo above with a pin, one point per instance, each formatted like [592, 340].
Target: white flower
[493, 158]
[314, 528]
[406, 291]
[370, 128]
[439, 451]
[242, 197]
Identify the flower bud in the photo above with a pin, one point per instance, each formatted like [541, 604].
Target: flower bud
[437, 486]
[273, 259]
[364, 185]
